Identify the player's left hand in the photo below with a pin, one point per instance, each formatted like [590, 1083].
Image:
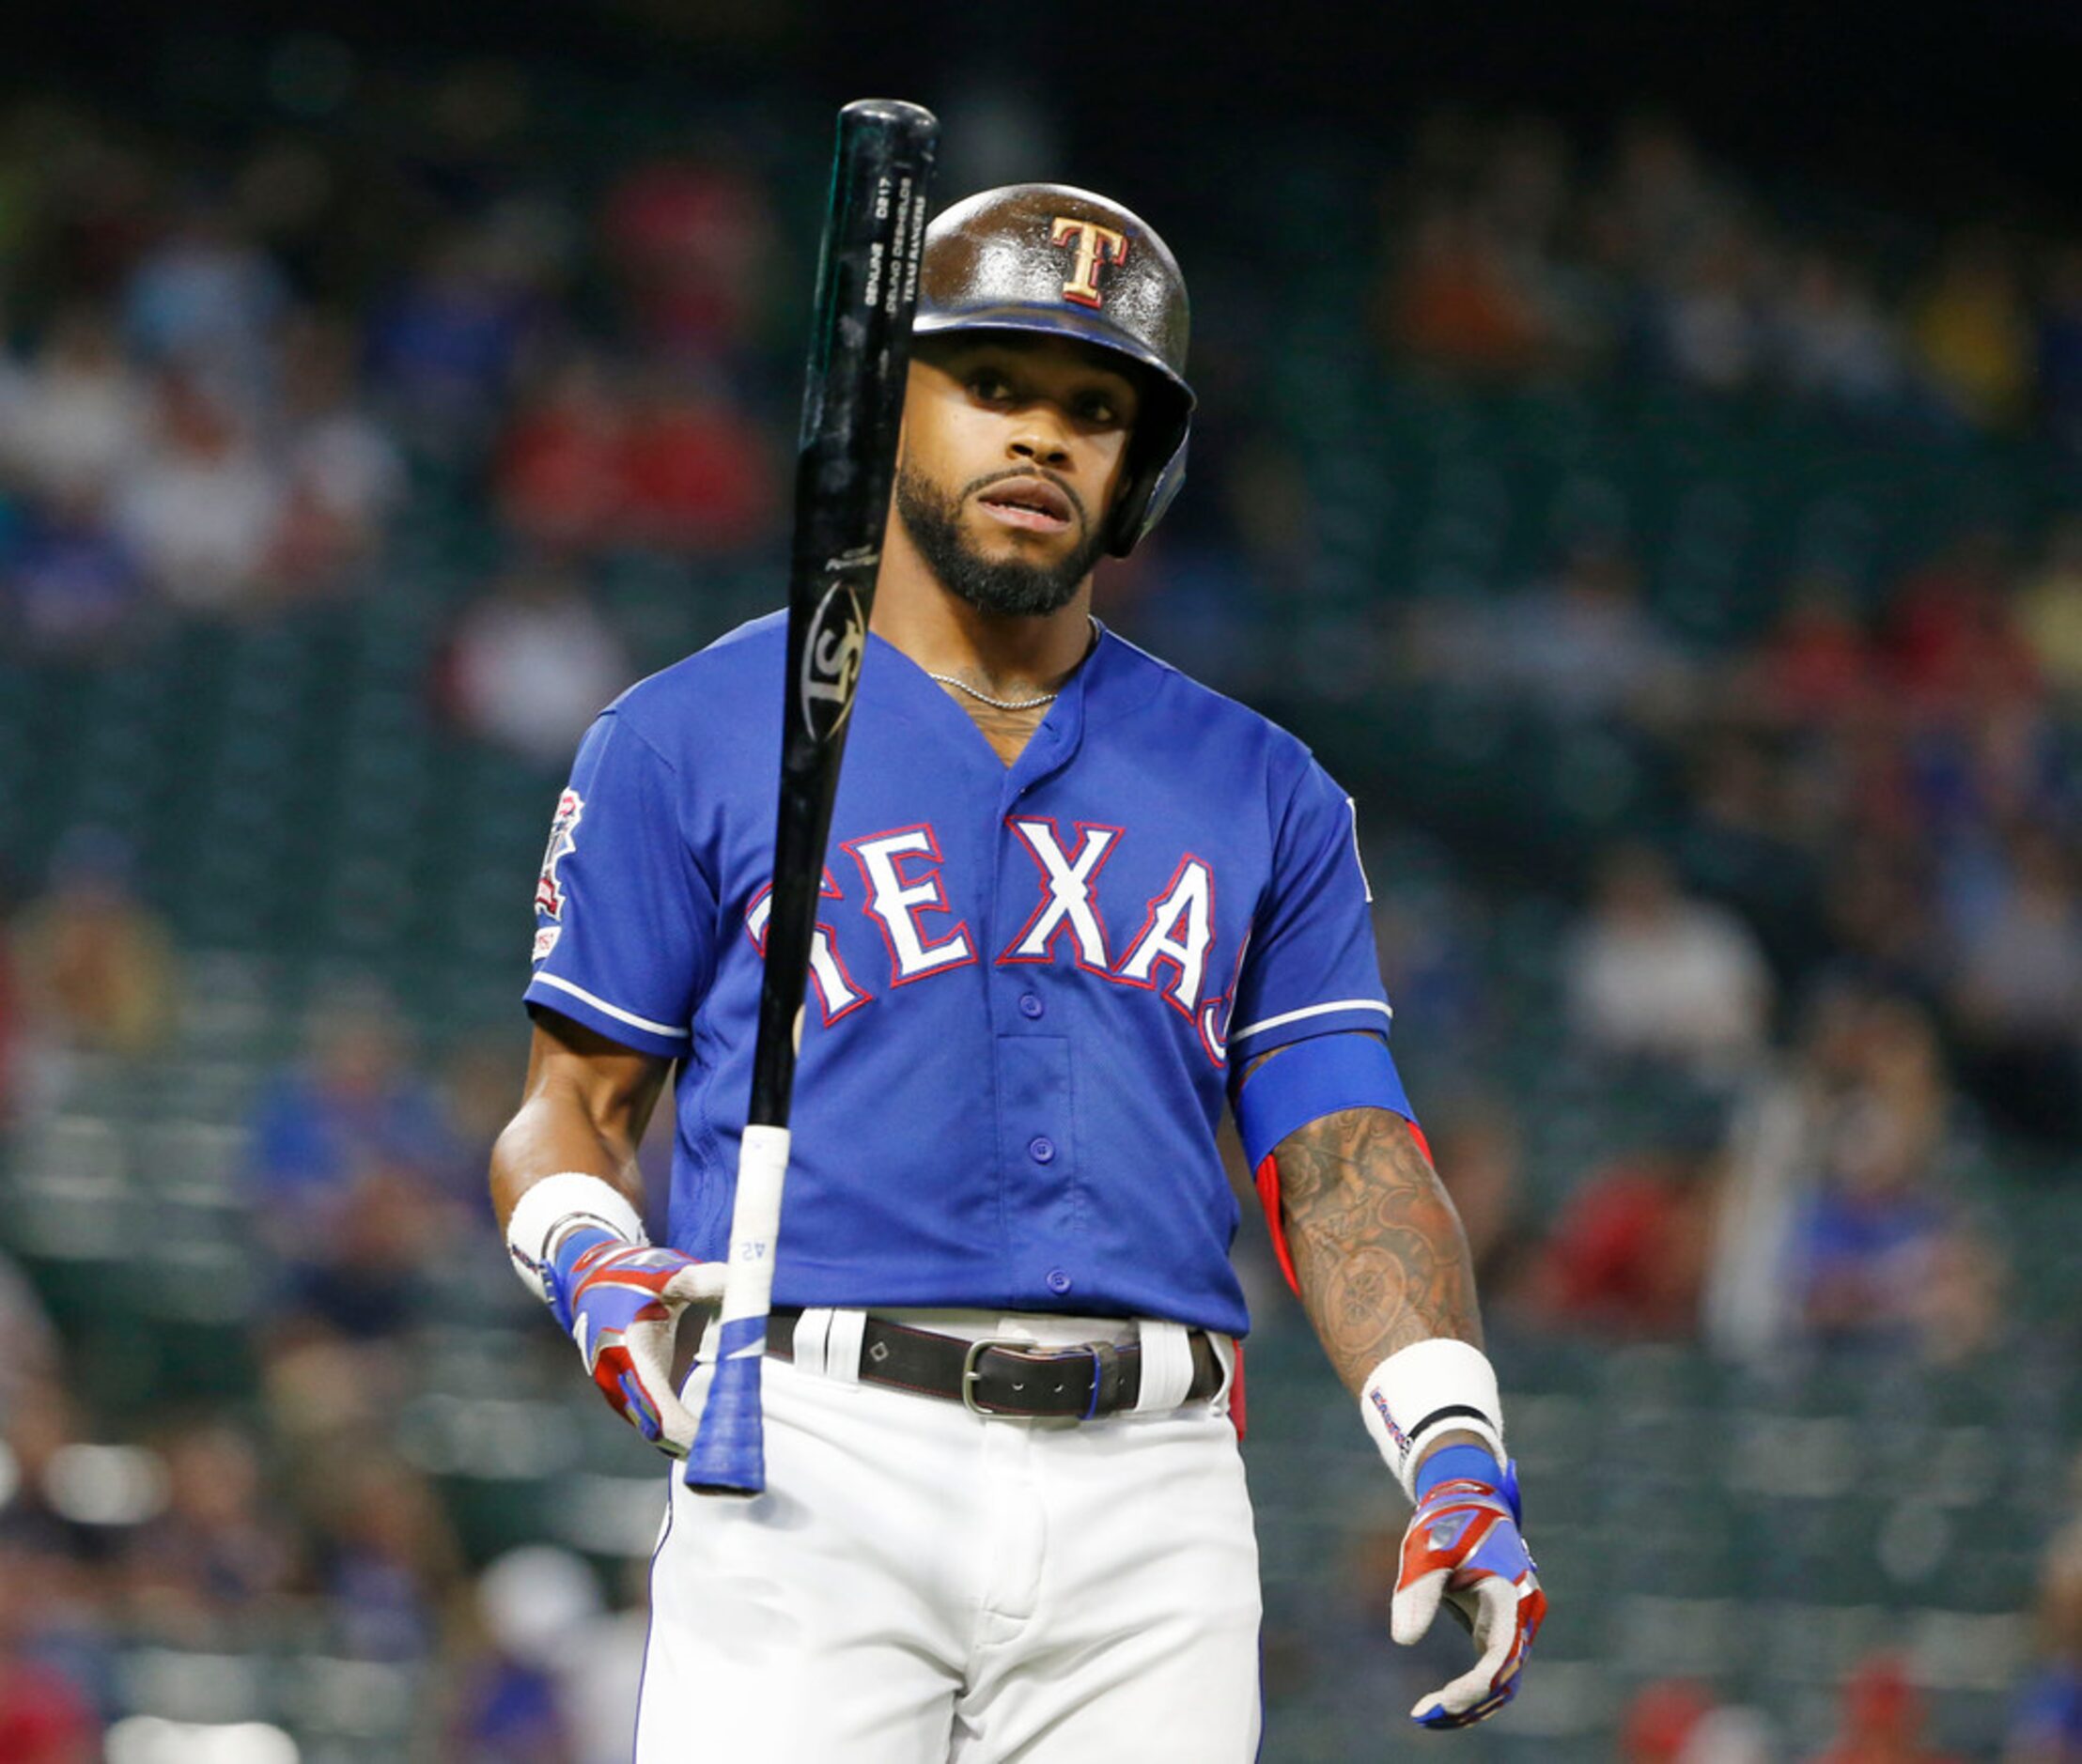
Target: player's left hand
[622, 1302]
[1463, 1548]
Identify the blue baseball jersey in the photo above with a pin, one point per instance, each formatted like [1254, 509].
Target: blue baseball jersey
[1031, 986]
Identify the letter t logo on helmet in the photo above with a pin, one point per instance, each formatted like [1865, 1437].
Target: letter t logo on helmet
[996, 262]
[1096, 244]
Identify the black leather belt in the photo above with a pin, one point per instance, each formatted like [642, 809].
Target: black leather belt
[995, 1375]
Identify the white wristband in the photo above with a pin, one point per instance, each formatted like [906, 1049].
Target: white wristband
[1429, 1388]
[548, 1204]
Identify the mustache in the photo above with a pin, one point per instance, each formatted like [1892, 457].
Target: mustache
[976, 486]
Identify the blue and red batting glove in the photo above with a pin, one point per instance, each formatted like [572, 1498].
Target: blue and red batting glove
[621, 1303]
[1462, 1549]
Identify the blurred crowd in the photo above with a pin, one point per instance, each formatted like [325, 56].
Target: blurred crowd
[1882, 1718]
[229, 373]
[222, 362]
[197, 1527]
[1509, 255]
[222, 371]
[1862, 938]
[209, 1539]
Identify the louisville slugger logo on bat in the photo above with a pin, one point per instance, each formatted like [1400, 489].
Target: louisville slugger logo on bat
[831, 653]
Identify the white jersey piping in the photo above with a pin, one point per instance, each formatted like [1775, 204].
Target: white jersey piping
[614, 1011]
[1315, 1009]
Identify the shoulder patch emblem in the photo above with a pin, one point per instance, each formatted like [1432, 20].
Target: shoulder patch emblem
[545, 940]
[549, 892]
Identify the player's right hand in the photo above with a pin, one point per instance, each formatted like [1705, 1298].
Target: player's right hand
[621, 1303]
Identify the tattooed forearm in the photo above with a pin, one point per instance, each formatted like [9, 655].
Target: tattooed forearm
[1377, 1245]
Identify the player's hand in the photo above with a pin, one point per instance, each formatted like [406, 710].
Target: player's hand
[621, 1302]
[1463, 1548]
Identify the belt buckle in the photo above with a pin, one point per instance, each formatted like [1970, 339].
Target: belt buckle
[1017, 1344]
[1032, 1351]
[970, 1373]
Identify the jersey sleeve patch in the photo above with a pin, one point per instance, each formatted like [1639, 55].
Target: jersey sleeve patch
[563, 841]
[624, 928]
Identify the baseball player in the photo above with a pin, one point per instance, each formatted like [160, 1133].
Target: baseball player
[1074, 905]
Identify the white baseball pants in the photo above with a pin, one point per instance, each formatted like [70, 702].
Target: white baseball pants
[920, 1584]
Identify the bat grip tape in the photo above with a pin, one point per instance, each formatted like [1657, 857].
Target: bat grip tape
[756, 1224]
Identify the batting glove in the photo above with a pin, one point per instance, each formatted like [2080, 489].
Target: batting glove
[621, 1303]
[1463, 1548]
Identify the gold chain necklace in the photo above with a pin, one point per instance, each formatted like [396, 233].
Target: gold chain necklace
[1009, 703]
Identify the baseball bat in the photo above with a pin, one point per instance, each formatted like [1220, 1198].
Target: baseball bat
[852, 402]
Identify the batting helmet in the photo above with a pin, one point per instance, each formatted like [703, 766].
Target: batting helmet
[1064, 262]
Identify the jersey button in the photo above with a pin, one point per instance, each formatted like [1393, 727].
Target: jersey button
[1059, 1282]
[1041, 1149]
[1031, 1005]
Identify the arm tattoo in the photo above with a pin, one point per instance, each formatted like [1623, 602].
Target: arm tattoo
[1377, 1246]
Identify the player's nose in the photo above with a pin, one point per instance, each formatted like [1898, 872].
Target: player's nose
[1038, 437]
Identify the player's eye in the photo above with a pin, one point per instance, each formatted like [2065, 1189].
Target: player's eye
[989, 385]
[1097, 407]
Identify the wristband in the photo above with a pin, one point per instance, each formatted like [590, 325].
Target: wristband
[552, 1203]
[1428, 1388]
[1456, 1463]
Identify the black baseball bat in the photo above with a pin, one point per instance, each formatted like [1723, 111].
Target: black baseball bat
[853, 401]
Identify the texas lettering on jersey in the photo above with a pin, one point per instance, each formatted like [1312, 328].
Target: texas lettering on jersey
[902, 882]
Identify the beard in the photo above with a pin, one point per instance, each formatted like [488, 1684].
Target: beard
[932, 516]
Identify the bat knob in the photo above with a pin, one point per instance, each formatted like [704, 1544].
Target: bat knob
[729, 1450]
[889, 113]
